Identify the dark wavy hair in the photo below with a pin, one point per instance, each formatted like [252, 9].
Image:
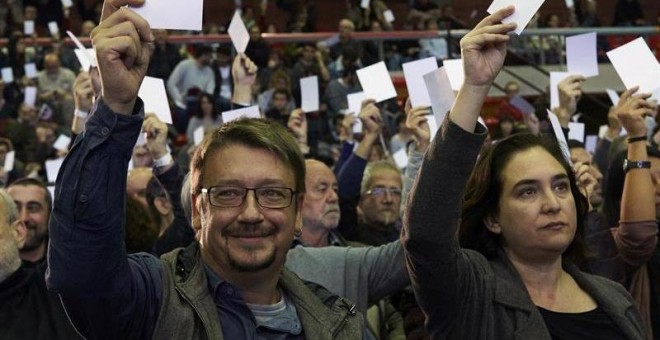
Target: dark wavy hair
[484, 187]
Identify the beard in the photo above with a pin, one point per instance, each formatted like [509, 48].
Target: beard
[34, 238]
[251, 265]
[245, 258]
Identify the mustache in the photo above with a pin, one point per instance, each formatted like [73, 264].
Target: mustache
[30, 225]
[248, 231]
[334, 207]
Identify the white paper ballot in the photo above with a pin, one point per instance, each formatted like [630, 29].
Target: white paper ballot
[559, 134]
[365, 4]
[582, 55]
[376, 82]
[53, 28]
[86, 61]
[570, 3]
[354, 106]
[401, 158]
[636, 65]
[440, 92]
[51, 189]
[28, 27]
[7, 75]
[52, 168]
[62, 143]
[172, 14]
[31, 70]
[67, 3]
[521, 104]
[555, 79]
[576, 131]
[414, 72]
[10, 157]
[389, 16]
[454, 68]
[309, 90]
[153, 94]
[239, 35]
[142, 139]
[614, 97]
[198, 135]
[248, 112]
[590, 143]
[30, 97]
[433, 125]
[525, 10]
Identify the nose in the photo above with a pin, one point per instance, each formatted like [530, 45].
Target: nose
[551, 203]
[250, 210]
[333, 196]
[23, 213]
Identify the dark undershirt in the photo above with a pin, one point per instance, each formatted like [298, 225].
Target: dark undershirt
[594, 324]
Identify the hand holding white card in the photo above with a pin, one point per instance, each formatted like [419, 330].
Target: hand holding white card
[576, 131]
[7, 75]
[238, 33]
[440, 92]
[401, 158]
[172, 14]
[62, 143]
[67, 3]
[582, 55]
[376, 82]
[636, 65]
[525, 10]
[198, 135]
[454, 69]
[365, 3]
[153, 94]
[53, 28]
[414, 72]
[52, 168]
[31, 70]
[10, 158]
[555, 79]
[614, 97]
[309, 88]
[28, 27]
[354, 106]
[30, 97]
[248, 112]
[590, 143]
[389, 16]
[521, 104]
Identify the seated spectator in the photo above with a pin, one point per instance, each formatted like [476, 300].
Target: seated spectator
[310, 63]
[141, 231]
[206, 115]
[346, 29]
[160, 205]
[34, 204]
[433, 47]
[337, 90]
[504, 128]
[27, 308]
[136, 184]
[257, 49]
[279, 81]
[21, 131]
[164, 57]
[7, 177]
[279, 107]
[223, 78]
[349, 57]
[55, 88]
[511, 89]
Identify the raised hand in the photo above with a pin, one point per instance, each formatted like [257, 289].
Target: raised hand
[631, 110]
[297, 123]
[244, 70]
[83, 92]
[123, 43]
[586, 181]
[484, 48]
[417, 122]
[156, 132]
[570, 91]
[372, 122]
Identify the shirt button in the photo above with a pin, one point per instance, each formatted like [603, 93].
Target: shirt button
[83, 198]
[105, 131]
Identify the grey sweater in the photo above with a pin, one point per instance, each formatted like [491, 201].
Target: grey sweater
[464, 295]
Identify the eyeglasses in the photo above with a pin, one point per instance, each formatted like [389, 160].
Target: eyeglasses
[380, 192]
[267, 197]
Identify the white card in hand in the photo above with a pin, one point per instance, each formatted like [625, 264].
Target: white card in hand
[62, 143]
[525, 10]
[555, 79]
[198, 135]
[67, 3]
[354, 107]
[389, 16]
[52, 168]
[440, 92]
[521, 104]
[636, 65]
[53, 28]
[172, 14]
[10, 157]
[153, 94]
[401, 158]
[7, 75]
[238, 33]
[582, 55]
[414, 72]
[559, 135]
[376, 82]
[28, 27]
[590, 143]
[365, 3]
[30, 97]
[614, 97]
[248, 112]
[31, 70]
[454, 69]
[86, 58]
[576, 131]
[309, 91]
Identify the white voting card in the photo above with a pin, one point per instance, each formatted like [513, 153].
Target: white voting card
[581, 55]
[576, 131]
[52, 168]
[636, 65]
[559, 134]
[10, 158]
[238, 33]
[354, 106]
[441, 94]
[414, 72]
[62, 142]
[376, 82]
[28, 27]
[153, 94]
[31, 70]
[7, 75]
[525, 10]
[614, 97]
[454, 69]
[248, 112]
[309, 88]
[172, 14]
[555, 79]
[30, 97]
[198, 135]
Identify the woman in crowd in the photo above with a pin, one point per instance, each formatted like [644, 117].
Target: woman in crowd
[205, 116]
[522, 217]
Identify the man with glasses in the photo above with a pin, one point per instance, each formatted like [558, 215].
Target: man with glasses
[248, 186]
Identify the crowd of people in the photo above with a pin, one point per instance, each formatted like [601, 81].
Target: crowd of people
[293, 226]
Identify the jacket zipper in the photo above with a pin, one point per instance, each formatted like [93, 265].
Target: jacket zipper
[350, 311]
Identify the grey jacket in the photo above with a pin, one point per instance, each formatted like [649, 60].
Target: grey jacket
[186, 297]
[464, 295]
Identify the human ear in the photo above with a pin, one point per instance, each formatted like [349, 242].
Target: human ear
[492, 224]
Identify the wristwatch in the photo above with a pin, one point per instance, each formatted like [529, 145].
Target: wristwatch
[629, 165]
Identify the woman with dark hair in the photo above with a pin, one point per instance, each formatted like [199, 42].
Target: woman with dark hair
[522, 217]
[205, 116]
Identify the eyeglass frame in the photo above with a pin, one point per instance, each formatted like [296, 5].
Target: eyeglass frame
[392, 191]
[207, 191]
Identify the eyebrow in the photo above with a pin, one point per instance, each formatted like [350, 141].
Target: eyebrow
[261, 183]
[554, 178]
